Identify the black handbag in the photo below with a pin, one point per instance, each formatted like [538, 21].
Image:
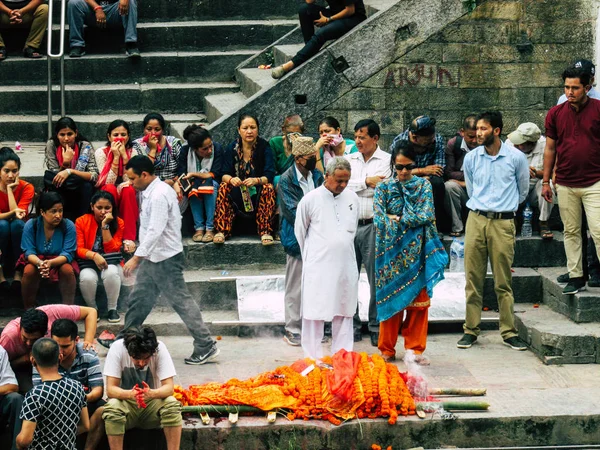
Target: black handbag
[111, 258]
[72, 183]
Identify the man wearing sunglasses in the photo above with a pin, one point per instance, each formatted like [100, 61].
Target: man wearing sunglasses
[431, 158]
[497, 178]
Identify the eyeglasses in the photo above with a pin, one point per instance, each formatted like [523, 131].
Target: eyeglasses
[401, 167]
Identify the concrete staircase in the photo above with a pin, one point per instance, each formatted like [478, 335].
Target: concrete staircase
[189, 51]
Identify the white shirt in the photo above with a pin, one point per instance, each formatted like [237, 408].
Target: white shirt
[592, 93]
[378, 164]
[306, 184]
[119, 365]
[535, 158]
[160, 223]
[325, 228]
[7, 376]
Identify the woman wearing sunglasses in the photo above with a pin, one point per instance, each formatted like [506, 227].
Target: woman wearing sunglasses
[409, 256]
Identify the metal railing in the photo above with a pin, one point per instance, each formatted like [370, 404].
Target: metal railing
[51, 56]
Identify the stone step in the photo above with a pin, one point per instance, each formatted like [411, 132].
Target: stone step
[581, 307]
[222, 104]
[152, 67]
[253, 80]
[127, 98]
[555, 339]
[35, 129]
[190, 35]
[529, 252]
[284, 53]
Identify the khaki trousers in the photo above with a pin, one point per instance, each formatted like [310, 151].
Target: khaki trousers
[38, 21]
[570, 201]
[494, 238]
[122, 415]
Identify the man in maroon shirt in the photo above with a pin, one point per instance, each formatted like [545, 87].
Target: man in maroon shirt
[573, 142]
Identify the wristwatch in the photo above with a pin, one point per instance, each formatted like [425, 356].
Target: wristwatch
[106, 227]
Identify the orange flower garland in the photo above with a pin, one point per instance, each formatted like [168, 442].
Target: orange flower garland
[378, 390]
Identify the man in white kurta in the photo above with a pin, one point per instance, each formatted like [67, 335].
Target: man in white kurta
[326, 223]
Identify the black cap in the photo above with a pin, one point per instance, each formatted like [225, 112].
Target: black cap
[422, 126]
[586, 65]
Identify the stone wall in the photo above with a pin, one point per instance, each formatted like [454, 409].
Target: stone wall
[505, 55]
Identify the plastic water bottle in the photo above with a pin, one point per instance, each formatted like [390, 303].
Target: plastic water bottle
[84, 157]
[526, 229]
[457, 255]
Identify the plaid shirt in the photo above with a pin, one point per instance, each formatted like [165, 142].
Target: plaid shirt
[435, 156]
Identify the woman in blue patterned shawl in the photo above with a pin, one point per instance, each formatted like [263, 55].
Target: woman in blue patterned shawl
[409, 256]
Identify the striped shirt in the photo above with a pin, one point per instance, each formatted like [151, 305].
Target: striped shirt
[85, 369]
[433, 156]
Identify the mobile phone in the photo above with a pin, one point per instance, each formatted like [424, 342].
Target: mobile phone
[185, 183]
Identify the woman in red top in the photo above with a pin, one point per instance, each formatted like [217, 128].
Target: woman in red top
[111, 160]
[98, 234]
[15, 197]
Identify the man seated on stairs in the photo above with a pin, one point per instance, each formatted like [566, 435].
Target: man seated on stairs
[333, 23]
[105, 13]
[22, 14]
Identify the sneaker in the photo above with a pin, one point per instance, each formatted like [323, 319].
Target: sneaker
[515, 343]
[196, 360]
[564, 278]
[592, 282]
[574, 286]
[132, 50]
[292, 339]
[77, 52]
[466, 341]
[113, 316]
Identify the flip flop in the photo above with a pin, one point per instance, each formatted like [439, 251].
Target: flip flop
[266, 239]
[30, 52]
[219, 238]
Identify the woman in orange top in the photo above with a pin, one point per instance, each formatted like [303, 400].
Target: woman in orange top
[15, 197]
[98, 234]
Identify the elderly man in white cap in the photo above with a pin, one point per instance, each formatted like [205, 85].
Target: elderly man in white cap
[528, 138]
[294, 184]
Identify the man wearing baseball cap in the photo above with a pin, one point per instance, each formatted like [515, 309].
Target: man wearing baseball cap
[588, 67]
[528, 138]
[431, 158]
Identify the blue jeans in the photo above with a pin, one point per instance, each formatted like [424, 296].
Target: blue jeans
[10, 239]
[203, 209]
[80, 13]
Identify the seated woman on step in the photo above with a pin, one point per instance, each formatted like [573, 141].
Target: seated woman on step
[201, 160]
[48, 243]
[72, 170]
[111, 160]
[16, 196]
[332, 23]
[282, 145]
[163, 150]
[99, 240]
[331, 143]
[246, 189]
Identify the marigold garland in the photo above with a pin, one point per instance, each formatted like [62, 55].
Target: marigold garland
[378, 390]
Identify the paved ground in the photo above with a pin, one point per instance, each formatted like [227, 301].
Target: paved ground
[518, 383]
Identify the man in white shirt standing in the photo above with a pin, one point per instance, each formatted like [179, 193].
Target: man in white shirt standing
[138, 367]
[528, 138]
[325, 227]
[160, 260]
[10, 400]
[370, 165]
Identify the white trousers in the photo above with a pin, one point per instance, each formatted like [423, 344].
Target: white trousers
[313, 331]
[111, 279]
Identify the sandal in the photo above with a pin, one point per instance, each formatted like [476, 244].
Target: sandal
[219, 238]
[30, 52]
[2, 54]
[198, 236]
[266, 239]
[546, 232]
[208, 237]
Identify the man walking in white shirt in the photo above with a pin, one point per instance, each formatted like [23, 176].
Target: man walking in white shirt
[160, 260]
[370, 165]
[325, 227]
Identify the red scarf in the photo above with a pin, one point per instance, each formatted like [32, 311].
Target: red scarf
[107, 166]
[60, 159]
[146, 138]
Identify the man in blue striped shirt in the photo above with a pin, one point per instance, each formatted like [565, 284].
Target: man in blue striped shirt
[83, 366]
[497, 178]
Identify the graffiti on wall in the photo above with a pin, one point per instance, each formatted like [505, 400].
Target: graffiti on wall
[421, 75]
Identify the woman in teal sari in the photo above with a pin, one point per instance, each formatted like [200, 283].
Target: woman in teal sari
[409, 256]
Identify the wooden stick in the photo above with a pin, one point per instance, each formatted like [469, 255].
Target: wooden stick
[454, 406]
[466, 392]
[221, 410]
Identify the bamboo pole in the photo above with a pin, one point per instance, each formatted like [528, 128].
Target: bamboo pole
[467, 392]
[454, 406]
